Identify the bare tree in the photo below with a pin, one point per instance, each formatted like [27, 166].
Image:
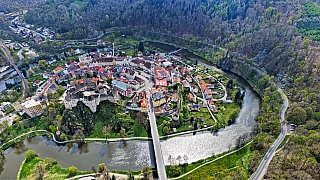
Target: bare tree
[39, 171]
[106, 130]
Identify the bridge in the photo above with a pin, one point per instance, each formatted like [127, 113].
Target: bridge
[154, 132]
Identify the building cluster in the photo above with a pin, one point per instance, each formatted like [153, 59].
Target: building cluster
[139, 102]
[125, 76]
[207, 89]
[101, 76]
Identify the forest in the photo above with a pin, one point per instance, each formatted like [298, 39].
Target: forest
[280, 38]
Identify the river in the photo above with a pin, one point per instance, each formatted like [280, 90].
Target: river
[133, 155]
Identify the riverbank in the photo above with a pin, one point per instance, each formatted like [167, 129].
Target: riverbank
[47, 168]
[214, 164]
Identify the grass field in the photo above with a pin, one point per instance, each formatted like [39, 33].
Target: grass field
[221, 168]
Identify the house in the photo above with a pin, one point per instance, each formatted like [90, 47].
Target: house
[130, 73]
[136, 63]
[140, 81]
[192, 98]
[142, 95]
[166, 64]
[161, 81]
[144, 103]
[194, 89]
[36, 83]
[100, 42]
[158, 110]
[185, 83]
[147, 66]
[38, 39]
[194, 107]
[158, 99]
[175, 97]
[160, 72]
[210, 86]
[228, 100]
[198, 77]
[58, 69]
[45, 75]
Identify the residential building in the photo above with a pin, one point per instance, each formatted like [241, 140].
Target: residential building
[194, 89]
[185, 83]
[158, 99]
[58, 69]
[104, 61]
[194, 107]
[161, 81]
[192, 98]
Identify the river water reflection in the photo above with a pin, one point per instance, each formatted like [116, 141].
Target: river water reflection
[133, 155]
[130, 155]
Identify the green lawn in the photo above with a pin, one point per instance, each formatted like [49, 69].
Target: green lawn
[55, 172]
[27, 168]
[202, 113]
[221, 168]
[226, 110]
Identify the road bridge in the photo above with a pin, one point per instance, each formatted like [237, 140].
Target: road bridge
[154, 132]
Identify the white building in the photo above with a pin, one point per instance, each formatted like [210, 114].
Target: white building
[31, 107]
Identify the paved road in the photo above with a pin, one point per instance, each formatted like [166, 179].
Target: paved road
[155, 137]
[23, 80]
[269, 155]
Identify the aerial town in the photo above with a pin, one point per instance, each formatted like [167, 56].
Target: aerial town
[113, 77]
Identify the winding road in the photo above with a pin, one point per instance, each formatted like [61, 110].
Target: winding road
[271, 152]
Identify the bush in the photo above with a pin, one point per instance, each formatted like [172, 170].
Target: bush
[72, 171]
[102, 167]
[31, 154]
[49, 162]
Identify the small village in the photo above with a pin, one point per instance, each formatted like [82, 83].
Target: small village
[180, 89]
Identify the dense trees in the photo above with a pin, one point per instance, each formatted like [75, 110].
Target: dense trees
[30, 154]
[300, 156]
[72, 171]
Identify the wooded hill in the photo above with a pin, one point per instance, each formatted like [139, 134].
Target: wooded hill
[279, 37]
